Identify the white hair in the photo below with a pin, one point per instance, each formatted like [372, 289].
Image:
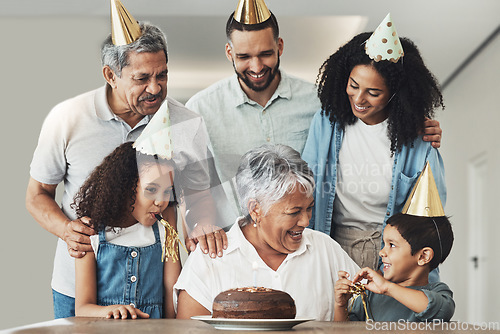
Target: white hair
[270, 172]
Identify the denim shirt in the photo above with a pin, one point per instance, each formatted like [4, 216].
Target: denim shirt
[321, 152]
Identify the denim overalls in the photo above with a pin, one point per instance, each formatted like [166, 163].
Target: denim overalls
[131, 275]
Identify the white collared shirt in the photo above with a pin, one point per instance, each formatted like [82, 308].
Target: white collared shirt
[308, 274]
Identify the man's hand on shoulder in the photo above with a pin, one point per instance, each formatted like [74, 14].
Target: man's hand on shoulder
[212, 239]
[77, 236]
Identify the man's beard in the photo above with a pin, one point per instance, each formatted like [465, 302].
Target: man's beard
[266, 84]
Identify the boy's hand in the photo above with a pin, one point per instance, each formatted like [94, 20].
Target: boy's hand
[342, 287]
[375, 282]
[122, 312]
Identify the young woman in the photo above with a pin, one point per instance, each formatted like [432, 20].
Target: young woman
[365, 146]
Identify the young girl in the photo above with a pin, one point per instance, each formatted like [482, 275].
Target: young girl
[124, 276]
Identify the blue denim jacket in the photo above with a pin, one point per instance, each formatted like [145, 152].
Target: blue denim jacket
[322, 151]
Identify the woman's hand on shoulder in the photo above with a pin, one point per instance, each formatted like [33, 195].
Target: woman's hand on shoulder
[432, 132]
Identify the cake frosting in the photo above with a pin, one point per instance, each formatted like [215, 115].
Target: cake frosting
[254, 303]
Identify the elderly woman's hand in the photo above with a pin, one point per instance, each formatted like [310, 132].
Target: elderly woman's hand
[342, 295]
[342, 289]
[212, 239]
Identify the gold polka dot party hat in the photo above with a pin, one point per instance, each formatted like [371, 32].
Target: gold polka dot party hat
[384, 43]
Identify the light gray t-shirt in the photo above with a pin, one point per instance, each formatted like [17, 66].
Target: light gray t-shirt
[80, 132]
[237, 124]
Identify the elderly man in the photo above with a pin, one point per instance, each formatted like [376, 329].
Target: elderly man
[78, 133]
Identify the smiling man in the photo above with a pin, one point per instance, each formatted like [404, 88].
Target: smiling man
[260, 103]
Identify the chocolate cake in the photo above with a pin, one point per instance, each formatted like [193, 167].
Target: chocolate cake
[253, 303]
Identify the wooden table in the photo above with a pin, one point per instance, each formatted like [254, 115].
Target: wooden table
[172, 326]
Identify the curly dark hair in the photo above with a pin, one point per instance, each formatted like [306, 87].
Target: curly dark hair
[417, 92]
[108, 194]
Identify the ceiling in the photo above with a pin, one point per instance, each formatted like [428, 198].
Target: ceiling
[446, 31]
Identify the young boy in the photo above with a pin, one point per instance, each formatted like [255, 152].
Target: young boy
[414, 245]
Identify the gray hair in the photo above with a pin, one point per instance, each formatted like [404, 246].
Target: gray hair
[116, 56]
[270, 172]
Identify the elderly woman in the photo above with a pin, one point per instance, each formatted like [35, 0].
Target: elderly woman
[276, 188]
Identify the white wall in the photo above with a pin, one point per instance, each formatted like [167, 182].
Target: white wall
[44, 61]
[470, 123]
